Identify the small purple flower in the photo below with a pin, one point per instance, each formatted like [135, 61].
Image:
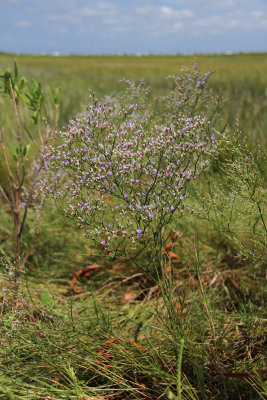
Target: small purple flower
[110, 225]
[172, 208]
[213, 137]
[181, 197]
[139, 231]
[85, 204]
[103, 241]
[125, 195]
[151, 215]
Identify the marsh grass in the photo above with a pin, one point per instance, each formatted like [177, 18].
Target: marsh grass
[127, 338]
[241, 79]
[197, 334]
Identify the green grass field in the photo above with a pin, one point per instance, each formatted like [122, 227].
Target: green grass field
[197, 334]
[241, 78]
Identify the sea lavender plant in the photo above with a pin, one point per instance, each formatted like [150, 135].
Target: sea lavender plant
[191, 95]
[124, 179]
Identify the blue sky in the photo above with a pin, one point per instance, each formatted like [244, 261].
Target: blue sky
[133, 26]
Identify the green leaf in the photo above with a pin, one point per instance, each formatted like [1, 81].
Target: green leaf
[55, 97]
[15, 71]
[6, 77]
[25, 150]
[21, 84]
[14, 151]
[171, 395]
[28, 146]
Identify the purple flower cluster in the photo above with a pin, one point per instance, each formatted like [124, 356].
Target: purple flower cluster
[191, 94]
[126, 178]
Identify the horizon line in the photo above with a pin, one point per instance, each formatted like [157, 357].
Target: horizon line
[135, 54]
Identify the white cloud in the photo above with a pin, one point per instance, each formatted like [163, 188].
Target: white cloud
[141, 20]
[223, 5]
[95, 15]
[87, 12]
[166, 10]
[263, 23]
[146, 17]
[178, 26]
[110, 21]
[62, 30]
[257, 13]
[22, 24]
[234, 21]
[171, 13]
[10, 1]
[101, 9]
[214, 5]
[144, 10]
[187, 13]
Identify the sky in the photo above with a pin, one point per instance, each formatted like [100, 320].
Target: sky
[133, 26]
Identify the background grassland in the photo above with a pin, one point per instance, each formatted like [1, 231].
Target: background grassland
[125, 337]
[240, 79]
